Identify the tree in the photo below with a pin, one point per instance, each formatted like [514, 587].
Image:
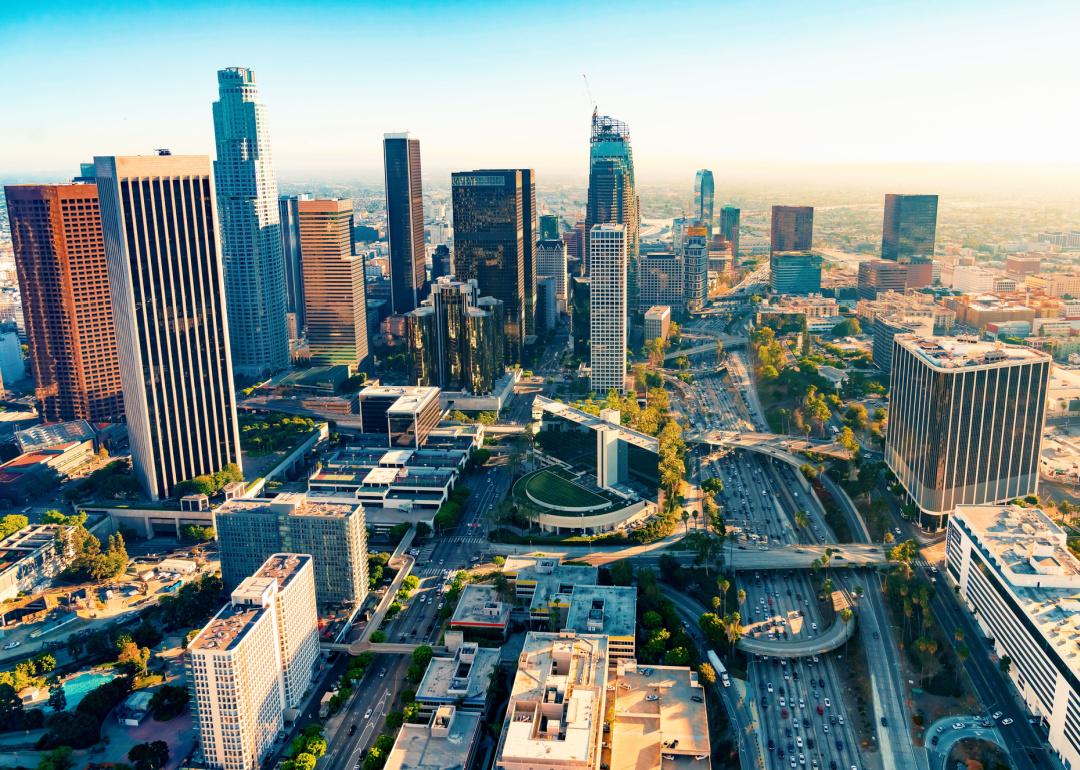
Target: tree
[652, 620]
[707, 674]
[802, 521]
[685, 516]
[11, 705]
[57, 696]
[422, 655]
[677, 656]
[57, 759]
[847, 440]
[849, 327]
[153, 755]
[1004, 664]
[168, 702]
[12, 523]
[134, 657]
[622, 573]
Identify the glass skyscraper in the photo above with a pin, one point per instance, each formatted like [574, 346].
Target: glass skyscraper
[612, 192]
[792, 228]
[703, 197]
[247, 199]
[729, 228]
[404, 222]
[910, 227]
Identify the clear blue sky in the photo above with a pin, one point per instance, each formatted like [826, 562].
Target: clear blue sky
[499, 83]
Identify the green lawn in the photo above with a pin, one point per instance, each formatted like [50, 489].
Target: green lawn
[550, 488]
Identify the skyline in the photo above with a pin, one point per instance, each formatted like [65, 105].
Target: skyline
[807, 88]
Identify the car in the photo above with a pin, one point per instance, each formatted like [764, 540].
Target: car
[805, 722]
[11, 645]
[802, 758]
[769, 687]
[832, 719]
[996, 715]
[884, 722]
[780, 752]
[367, 714]
[772, 745]
[1007, 721]
[825, 729]
[813, 626]
[792, 762]
[798, 741]
[802, 703]
[839, 745]
[382, 672]
[840, 719]
[783, 701]
[821, 683]
[652, 697]
[352, 728]
[697, 699]
[828, 703]
[934, 740]
[958, 725]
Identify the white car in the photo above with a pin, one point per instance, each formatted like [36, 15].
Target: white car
[958, 725]
[367, 714]
[652, 697]
[1007, 721]
[828, 703]
[11, 645]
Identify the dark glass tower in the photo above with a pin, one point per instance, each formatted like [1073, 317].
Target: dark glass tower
[405, 222]
[612, 193]
[792, 228]
[492, 218]
[910, 227]
[729, 228]
[549, 227]
[703, 197]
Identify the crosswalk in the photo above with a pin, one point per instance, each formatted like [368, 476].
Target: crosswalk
[473, 539]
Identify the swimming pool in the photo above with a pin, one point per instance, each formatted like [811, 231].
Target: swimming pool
[79, 685]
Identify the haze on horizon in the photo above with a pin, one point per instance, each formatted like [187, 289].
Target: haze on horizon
[959, 92]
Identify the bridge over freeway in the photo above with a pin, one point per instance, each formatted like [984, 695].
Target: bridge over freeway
[727, 340]
[786, 448]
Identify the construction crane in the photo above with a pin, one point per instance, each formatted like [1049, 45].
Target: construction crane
[588, 91]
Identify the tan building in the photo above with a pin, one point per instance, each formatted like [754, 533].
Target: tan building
[1055, 284]
[334, 296]
[555, 718]
[64, 281]
[657, 323]
[246, 663]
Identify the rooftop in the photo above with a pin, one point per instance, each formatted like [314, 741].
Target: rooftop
[283, 567]
[657, 312]
[568, 412]
[479, 606]
[610, 610]
[967, 352]
[228, 627]
[49, 434]
[290, 503]
[649, 734]
[465, 676]
[445, 743]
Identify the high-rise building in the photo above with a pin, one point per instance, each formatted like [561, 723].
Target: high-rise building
[335, 304]
[64, 282]
[442, 263]
[175, 364]
[703, 197]
[910, 227]
[551, 262]
[885, 327]
[289, 216]
[965, 422]
[795, 272]
[528, 245]
[660, 281]
[250, 530]
[792, 228]
[880, 275]
[455, 342]
[729, 228]
[252, 661]
[492, 217]
[574, 239]
[549, 227]
[612, 193]
[695, 257]
[607, 316]
[547, 303]
[580, 302]
[404, 222]
[247, 200]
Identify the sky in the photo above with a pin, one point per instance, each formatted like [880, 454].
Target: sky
[733, 85]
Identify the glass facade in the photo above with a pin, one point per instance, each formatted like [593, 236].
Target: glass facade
[910, 227]
[612, 192]
[405, 222]
[795, 272]
[792, 228]
[703, 197]
[729, 227]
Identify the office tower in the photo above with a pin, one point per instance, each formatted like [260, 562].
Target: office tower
[792, 228]
[455, 340]
[965, 422]
[607, 313]
[250, 530]
[64, 282]
[574, 239]
[254, 659]
[293, 261]
[795, 272]
[547, 304]
[612, 192]
[442, 263]
[528, 245]
[695, 258]
[1014, 570]
[729, 228]
[549, 227]
[678, 233]
[880, 275]
[492, 215]
[551, 262]
[580, 289]
[335, 304]
[657, 323]
[247, 200]
[885, 327]
[910, 227]
[175, 364]
[703, 197]
[404, 222]
[404, 414]
[660, 282]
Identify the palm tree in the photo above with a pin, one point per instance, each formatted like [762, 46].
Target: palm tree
[724, 584]
[802, 521]
[741, 597]
[846, 615]
[685, 520]
[733, 628]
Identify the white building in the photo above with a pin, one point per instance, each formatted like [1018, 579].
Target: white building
[1015, 572]
[551, 261]
[12, 366]
[252, 661]
[607, 308]
[657, 323]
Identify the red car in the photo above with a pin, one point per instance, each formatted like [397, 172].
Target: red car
[783, 713]
[820, 710]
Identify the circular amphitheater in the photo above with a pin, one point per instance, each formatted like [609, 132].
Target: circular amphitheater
[561, 504]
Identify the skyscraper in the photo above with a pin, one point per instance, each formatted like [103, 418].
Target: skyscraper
[551, 261]
[729, 228]
[247, 200]
[965, 422]
[703, 197]
[792, 228]
[795, 272]
[910, 227]
[335, 304]
[404, 222]
[442, 262]
[64, 282]
[528, 245]
[607, 317]
[293, 265]
[549, 227]
[492, 210]
[695, 257]
[612, 192]
[159, 222]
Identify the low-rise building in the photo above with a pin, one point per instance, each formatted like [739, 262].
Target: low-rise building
[607, 610]
[447, 742]
[404, 414]
[29, 558]
[464, 679]
[1013, 569]
[480, 612]
[657, 323]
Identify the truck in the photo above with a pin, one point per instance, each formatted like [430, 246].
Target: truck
[324, 704]
[721, 672]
